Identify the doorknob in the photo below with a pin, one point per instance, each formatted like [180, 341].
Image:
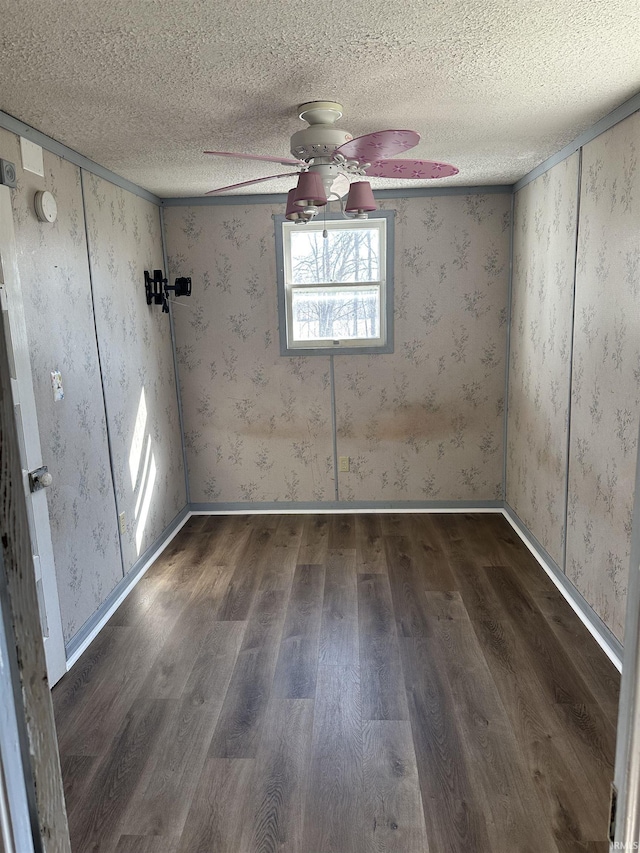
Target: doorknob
[40, 479]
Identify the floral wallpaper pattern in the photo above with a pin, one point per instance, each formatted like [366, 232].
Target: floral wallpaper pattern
[605, 408]
[54, 276]
[137, 363]
[257, 425]
[426, 422]
[422, 423]
[544, 247]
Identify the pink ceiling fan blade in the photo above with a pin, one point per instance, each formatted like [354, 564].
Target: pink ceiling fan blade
[379, 145]
[255, 181]
[284, 161]
[410, 169]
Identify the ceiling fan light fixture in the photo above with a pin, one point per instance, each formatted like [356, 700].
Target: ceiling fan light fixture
[333, 153]
[360, 199]
[310, 191]
[293, 213]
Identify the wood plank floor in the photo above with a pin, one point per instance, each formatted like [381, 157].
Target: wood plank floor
[340, 684]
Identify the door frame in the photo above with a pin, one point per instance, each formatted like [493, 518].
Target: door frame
[30, 759]
[627, 768]
[17, 346]
[16, 784]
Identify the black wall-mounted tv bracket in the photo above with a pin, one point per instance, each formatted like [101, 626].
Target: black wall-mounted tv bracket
[157, 289]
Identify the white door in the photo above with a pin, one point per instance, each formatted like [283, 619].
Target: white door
[30, 452]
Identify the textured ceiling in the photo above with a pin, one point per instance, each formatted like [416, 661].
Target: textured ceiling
[144, 86]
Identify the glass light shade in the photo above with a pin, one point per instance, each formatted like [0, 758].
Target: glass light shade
[360, 198]
[310, 191]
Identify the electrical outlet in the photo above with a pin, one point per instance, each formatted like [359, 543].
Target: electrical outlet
[123, 523]
[343, 463]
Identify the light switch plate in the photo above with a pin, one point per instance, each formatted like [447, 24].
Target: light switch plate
[56, 385]
[343, 463]
[123, 523]
[32, 157]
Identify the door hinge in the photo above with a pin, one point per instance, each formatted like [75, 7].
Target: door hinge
[613, 808]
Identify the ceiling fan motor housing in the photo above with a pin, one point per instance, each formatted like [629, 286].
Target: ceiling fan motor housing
[321, 138]
[318, 141]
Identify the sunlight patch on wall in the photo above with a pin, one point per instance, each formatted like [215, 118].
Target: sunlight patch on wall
[143, 474]
[145, 470]
[137, 442]
[146, 503]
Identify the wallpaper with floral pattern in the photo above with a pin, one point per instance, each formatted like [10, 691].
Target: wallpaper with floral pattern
[54, 276]
[137, 363]
[422, 423]
[257, 425]
[544, 250]
[605, 409]
[426, 422]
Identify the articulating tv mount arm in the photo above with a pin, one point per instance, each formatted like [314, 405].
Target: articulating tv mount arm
[158, 287]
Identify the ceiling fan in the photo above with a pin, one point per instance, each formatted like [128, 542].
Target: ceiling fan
[336, 157]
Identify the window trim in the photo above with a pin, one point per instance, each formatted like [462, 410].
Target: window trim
[386, 318]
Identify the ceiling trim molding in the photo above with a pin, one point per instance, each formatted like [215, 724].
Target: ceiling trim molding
[620, 113]
[14, 125]
[280, 198]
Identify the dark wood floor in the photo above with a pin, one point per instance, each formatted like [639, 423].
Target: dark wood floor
[340, 684]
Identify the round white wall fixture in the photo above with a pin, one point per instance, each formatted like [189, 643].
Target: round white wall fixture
[46, 207]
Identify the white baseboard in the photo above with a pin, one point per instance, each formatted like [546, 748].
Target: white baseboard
[343, 507]
[610, 645]
[587, 615]
[596, 627]
[92, 627]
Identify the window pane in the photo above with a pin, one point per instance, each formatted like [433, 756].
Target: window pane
[345, 255]
[323, 313]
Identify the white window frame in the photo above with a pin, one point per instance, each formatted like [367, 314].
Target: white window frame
[384, 219]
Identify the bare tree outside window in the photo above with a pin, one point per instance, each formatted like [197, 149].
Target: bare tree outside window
[335, 290]
[343, 257]
[322, 314]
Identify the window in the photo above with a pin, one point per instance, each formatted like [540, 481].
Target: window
[335, 292]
